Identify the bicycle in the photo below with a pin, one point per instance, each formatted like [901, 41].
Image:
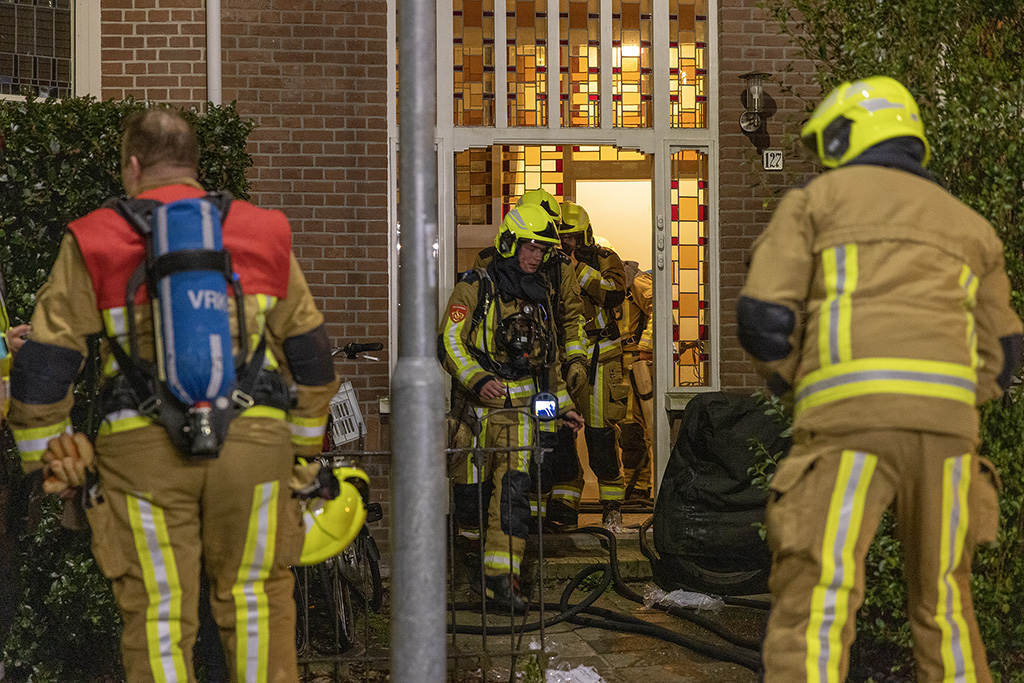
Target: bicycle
[353, 576]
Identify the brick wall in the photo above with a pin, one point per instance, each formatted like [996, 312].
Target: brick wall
[312, 74]
[750, 41]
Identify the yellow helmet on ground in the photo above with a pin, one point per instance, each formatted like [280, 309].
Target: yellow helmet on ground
[542, 198]
[527, 223]
[575, 221]
[859, 115]
[332, 524]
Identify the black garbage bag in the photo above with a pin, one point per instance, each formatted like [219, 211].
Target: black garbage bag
[707, 513]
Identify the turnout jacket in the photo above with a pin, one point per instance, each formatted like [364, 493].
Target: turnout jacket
[462, 342]
[602, 279]
[85, 295]
[884, 300]
[572, 339]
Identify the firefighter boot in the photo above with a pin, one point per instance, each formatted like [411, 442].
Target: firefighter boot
[503, 593]
[611, 517]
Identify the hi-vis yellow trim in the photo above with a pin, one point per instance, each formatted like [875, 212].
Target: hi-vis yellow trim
[834, 318]
[957, 657]
[32, 442]
[252, 611]
[969, 283]
[264, 411]
[830, 607]
[910, 376]
[160, 576]
[307, 430]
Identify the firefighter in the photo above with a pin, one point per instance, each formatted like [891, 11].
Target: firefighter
[498, 342]
[602, 281]
[156, 512]
[884, 302]
[638, 355]
[572, 342]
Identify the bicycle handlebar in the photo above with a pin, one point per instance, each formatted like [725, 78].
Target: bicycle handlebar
[352, 349]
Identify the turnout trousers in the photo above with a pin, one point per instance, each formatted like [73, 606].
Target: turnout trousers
[158, 515]
[828, 498]
[604, 407]
[496, 486]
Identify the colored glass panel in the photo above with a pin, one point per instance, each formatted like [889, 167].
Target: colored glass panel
[579, 40]
[688, 54]
[632, 73]
[474, 186]
[35, 48]
[530, 167]
[690, 272]
[473, 59]
[526, 38]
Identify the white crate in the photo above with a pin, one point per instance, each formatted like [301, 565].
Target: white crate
[346, 420]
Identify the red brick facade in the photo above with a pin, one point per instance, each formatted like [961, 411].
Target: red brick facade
[750, 41]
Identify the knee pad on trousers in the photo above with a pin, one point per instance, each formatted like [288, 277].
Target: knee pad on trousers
[515, 504]
[634, 447]
[604, 458]
[565, 463]
[467, 504]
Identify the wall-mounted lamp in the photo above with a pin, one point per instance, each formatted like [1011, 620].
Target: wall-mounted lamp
[750, 120]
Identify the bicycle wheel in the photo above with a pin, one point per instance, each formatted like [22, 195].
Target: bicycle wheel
[360, 566]
[337, 592]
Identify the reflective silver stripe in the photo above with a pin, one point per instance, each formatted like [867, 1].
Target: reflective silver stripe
[833, 331]
[871, 375]
[206, 211]
[217, 365]
[566, 493]
[257, 571]
[39, 444]
[953, 561]
[158, 565]
[832, 591]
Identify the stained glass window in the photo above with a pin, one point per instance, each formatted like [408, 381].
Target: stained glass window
[688, 53]
[632, 75]
[474, 62]
[579, 38]
[690, 273]
[527, 38]
[35, 48]
[528, 168]
[474, 186]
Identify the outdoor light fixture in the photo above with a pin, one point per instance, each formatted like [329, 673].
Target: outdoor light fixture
[750, 120]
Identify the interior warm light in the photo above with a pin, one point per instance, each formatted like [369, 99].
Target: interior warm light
[630, 50]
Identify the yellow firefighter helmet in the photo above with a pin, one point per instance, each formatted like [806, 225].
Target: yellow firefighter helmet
[859, 115]
[542, 198]
[332, 524]
[527, 223]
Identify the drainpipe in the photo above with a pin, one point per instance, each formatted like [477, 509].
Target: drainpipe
[418, 498]
[213, 69]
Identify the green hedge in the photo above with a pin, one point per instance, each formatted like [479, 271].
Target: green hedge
[962, 60]
[61, 159]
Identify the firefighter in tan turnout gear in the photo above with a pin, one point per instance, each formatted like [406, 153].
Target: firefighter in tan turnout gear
[884, 302]
[157, 511]
[602, 281]
[572, 340]
[498, 342]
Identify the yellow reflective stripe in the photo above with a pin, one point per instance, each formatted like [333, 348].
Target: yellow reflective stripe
[969, 283]
[830, 607]
[957, 657]
[910, 376]
[116, 327]
[587, 275]
[502, 560]
[252, 612]
[123, 421]
[840, 270]
[32, 442]
[612, 492]
[465, 365]
[566, 493]
[265, 411]
[307, 430]
[160, 576]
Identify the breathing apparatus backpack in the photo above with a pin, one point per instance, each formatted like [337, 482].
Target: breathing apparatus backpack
[197, 385]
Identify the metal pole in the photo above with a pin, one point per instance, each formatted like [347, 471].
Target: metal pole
[418, 640]
[213, 57]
